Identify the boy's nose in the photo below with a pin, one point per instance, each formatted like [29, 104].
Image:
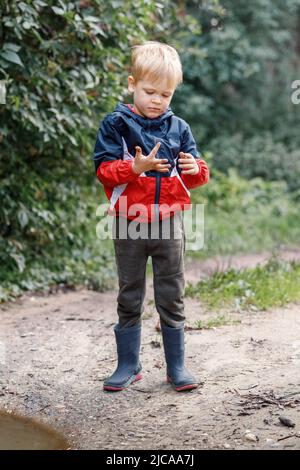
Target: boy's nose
[156, 100]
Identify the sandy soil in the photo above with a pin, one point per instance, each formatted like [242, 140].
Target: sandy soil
[56, 350]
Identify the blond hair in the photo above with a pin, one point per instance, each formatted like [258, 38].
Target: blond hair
[154, 60]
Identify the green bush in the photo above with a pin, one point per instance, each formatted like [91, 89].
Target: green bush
[65, 66]
[258, 156]
[228, 192]
[239, 71]
[245, 216]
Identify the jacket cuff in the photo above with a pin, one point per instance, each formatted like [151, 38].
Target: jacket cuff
[113, 173]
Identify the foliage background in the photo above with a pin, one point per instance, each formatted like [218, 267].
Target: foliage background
[65, 66]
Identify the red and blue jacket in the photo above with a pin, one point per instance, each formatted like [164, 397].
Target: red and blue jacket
[152, 194]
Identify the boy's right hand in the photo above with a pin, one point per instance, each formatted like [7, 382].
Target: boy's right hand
[143, 163]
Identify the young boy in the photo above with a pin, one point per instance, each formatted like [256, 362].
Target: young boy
[165, 166]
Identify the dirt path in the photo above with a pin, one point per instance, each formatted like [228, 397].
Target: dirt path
[56, 350]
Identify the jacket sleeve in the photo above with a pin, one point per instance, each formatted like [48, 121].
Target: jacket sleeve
[188, 145]
[110, 168]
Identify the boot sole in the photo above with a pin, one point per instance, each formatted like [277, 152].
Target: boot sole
[118, 389]
[183, 387]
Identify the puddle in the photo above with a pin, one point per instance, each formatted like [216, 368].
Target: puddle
[20, 433]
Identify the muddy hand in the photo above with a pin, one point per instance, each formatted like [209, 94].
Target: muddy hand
[143, 163]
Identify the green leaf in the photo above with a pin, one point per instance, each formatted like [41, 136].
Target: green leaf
[58, 11]
[40, 3]
[23, 218]
[91, 19]
[20, 261]
[11, 56]
[73, 140]
[11, 47]
[27, 25]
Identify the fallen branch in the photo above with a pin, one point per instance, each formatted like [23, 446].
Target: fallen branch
[286, 437]
[290, 395]
[256, 401]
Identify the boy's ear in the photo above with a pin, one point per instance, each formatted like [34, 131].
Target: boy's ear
[131, 83]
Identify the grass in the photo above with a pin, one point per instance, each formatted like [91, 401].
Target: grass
[216, 322]
[272, 285]
[245, 216]
[239, 232]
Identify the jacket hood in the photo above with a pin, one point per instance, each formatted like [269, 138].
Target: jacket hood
[144, 122]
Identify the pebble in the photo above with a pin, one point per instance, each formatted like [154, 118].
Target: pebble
[286, 421]
[250, 436]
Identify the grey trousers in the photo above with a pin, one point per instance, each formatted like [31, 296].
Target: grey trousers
[164, 241]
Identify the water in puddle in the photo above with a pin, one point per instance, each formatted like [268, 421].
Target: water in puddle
[20, 433]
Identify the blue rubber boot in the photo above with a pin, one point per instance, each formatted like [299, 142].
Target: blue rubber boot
[177, 375]
[129, 367]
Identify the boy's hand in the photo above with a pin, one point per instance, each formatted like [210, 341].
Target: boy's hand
[188, 164]
[143, 163]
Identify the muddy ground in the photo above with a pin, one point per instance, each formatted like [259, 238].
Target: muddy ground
[56, 350]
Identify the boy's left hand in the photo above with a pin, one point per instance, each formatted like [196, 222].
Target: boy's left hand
[188, 164]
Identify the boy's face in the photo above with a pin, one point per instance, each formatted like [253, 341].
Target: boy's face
[150, 99]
